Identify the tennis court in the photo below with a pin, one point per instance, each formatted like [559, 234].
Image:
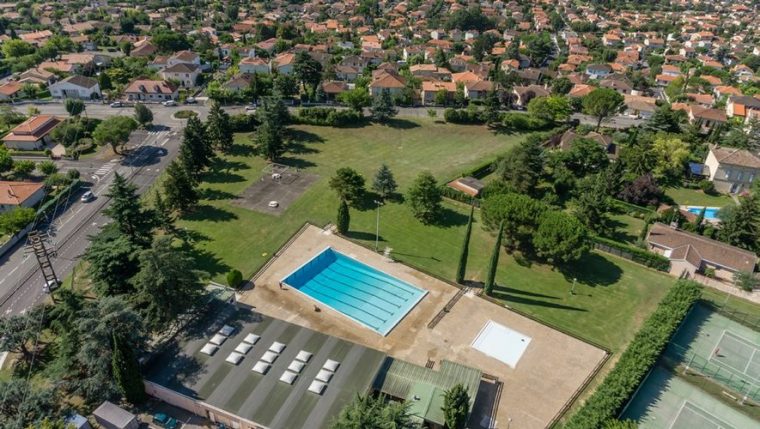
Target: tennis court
[738, 355]
[691, 416]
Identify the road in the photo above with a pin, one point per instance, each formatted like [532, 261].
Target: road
[149, 153]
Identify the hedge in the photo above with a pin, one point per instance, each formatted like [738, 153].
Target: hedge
[524, 122]
[327, 116]
[462, 116]
[243, 123]
[638, 359]
[635, 254]
[458, 195]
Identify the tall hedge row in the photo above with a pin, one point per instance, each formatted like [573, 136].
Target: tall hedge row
[327, 116]
[634, 364]
[638, 255]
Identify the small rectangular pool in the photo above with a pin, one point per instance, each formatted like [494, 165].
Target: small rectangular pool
[368, 296]
[710, 212]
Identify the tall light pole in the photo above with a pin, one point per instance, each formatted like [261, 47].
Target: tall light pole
[377, 224]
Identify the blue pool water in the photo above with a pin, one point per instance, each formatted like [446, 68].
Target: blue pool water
[368, 296]
[710, 212]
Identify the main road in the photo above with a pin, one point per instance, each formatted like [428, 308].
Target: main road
[148, 153]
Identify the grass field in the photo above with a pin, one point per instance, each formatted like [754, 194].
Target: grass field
[613, 296]
[695, 197]
[626, 228]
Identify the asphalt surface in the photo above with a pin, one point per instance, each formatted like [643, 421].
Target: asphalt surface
[149, 152]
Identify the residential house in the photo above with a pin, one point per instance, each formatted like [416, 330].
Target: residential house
[239, 82]
[740, 105]
[523, 94]
[580, 90]
[76, 87]
[386, 80]
[284, 63]
[184, 73]
[37, 76]
[10, 90]
[431, 89]
[477, 90]
[20, 194]
[184, 57]
[144, 50]
[621, 86]
[639, 106]
[253, 65]
[32, 134]
[732, 170]
[598, 71]
[691, 253]
[334, 88]
[707, 116]
[111, 416]
[151, 90]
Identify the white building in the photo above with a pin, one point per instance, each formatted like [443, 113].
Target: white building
[81, 87]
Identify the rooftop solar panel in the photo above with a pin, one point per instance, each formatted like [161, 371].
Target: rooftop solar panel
[331, 365]
[303, 356]
[324, 375]
[288, 377]
[317, 387]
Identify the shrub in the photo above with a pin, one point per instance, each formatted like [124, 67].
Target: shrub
[243, 123]
[637, 359]
[234, 278]
[523, 122]
[707, 187]
[462, 116]
[185, 114]
[710, 272]
[638, 255]
[327, 116]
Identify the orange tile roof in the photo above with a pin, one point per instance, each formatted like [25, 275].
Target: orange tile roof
[33, 128]
[15, 193]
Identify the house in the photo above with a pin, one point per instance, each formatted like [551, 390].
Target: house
[383, 80]
[20, 194]
[639, 106]
[693, 253]
[76, 87]
[10, 90]
[144, 50]
[740, 105]
[707, 116]
[32, 134]
[580, 90]
[621, 86]
[37, 76]
[151, 90]
[430, 90]
[111, 416]
[253, 65]
[184, 57]
[477, 90]
[239, 82]
[523, 94]
[346, 72]
[598, 71]
[334, 88]
[732, 170]
[284, 63]
[184, 73]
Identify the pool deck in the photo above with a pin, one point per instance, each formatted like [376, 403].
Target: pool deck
[550, 371]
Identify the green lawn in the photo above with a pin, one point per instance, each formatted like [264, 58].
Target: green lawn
[612, 296]
[695, 197]
[626, 228]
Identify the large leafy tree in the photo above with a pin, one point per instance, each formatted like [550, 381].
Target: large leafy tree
[20, 331]
[348, 184]
[357, 99]
[583, 157]
[167, 284]
[602, 103]
[491, 115]
[740, 224]
[456, 407]
[218, 129]
[642, 191]
[195, 151]
[425, 198]
[553, 108]
[344, 218]
[143, 115]
[592, 203]
[560, 237]
[25, 405]
[384, 183]
[114, 131]
[382, 107]
[522, 166]
[672, 153]
[519, 214]
[665, 119]
[307, 70]
[126, 209]
[6, 161]
[272, 116]
[179, 188]
[111, 261]
[74, 106]
[367, 412]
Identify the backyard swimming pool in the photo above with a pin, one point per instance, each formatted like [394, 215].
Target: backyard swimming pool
[368, 296]
[710, 212]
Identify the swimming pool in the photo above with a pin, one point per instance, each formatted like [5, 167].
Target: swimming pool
[710, 212]
[368, 296]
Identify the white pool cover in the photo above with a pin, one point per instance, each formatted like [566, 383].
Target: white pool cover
[501, 343]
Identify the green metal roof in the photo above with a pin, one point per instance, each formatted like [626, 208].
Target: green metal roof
[424, 388]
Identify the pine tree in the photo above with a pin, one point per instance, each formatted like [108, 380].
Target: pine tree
[424, 197]
[164, 217]
[382, 107]
[126, 210]
[344, 218]
[195, 152]
[143, 115]
[126, 372]
[462, 268]
[218, 128]
[456, 407]
[488, 287]
[384, 183]
[698, 227]
[179, 188]
[490, 113]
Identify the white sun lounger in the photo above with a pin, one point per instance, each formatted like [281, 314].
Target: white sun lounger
[303, 356]
[243, 348]
[209, 349]
[277, 347]
[269, 357]
[251, 338]
[261, 367]
[234, 358]
[331, 365]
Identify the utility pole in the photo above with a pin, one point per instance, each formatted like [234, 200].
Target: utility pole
[42, 253]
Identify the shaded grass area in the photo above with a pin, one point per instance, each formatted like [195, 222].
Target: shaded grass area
[626, 228]
[613, 296]
[695, 197]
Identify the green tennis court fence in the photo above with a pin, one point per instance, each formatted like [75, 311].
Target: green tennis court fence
[679, 358]
[746, 319]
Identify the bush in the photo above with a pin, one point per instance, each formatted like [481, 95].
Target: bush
[523, 122]
[234, 278]
[14, 220]
[185, 114]
[707, 187]
[462, 116]
[640, 256]
[636, 361]
[243, 123]
[327, 116]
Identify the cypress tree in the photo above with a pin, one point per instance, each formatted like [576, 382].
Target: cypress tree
[126, 372]
[698, 221]
[488, 287]
[461, 270]
[456, 407]
[344, 218]
[179, 188]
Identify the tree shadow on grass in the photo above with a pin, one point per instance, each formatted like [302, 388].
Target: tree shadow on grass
[592, 270]
[239, 149]
[303, 136]
[619, 233]
[206, 212]
[512, 291]
[449, 218]
[220, 176]
[299, 148]
[362, 236]
[402, 124]
[295, 162]
[208, 262]
[508, 298]
[215, 194]
[367, 201]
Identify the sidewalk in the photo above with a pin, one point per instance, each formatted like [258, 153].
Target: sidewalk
[729, 289]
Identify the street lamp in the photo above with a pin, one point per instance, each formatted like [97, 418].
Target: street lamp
[377, 226]
[572, 289]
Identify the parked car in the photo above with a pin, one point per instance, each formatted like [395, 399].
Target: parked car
[250, 108]
[169, 103]
[164, 421]
[50, 286]
[87, 197]
[117, 104]
[191, 100]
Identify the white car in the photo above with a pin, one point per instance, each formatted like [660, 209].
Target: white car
[117, 104]
[87, 197]
[51, 285]
[250, 107]
[169, 103]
